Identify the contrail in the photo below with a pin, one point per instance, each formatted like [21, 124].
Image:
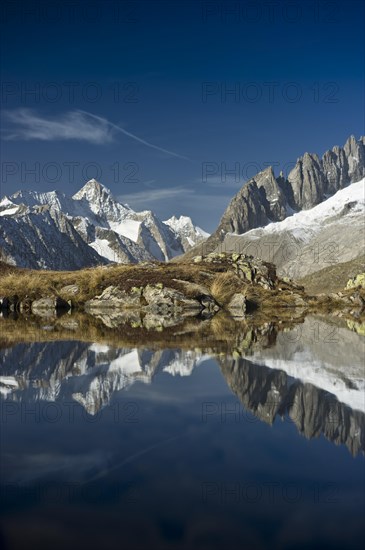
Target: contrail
[133, 136]
[132, 458]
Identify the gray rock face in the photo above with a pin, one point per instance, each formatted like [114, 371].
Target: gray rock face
[265, 198]
[246, 210]
[312, 178]
[44, 240]
[112, 297]
[307, 182]
[309, 241]
[153, 298]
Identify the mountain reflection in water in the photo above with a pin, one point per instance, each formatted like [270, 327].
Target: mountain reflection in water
[312, 371]
[186, 435]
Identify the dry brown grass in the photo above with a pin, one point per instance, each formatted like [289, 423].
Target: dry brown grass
[224, 285]
[33, 283]
[92, 281]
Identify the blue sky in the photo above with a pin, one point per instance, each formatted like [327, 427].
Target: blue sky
[173, 105]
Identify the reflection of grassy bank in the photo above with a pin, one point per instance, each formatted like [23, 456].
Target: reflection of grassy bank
[220, 334]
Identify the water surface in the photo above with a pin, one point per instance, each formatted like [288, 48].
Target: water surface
[211, 435]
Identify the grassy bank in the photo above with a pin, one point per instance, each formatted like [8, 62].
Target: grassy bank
[189, 278]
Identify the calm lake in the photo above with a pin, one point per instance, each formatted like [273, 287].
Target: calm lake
[209, 436]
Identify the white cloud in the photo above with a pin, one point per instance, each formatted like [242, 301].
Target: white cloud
[73, 125]
[150, 195]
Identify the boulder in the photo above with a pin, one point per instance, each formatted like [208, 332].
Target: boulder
[237, 305]
[154, 298]
[113, 297]
[70, 289]
[50, 304]
[163, 299]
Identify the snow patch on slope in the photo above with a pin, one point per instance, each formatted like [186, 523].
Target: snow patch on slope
[302, 225]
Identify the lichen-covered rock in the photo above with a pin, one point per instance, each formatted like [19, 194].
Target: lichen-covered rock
[154, 298]
[357, 281]
[167, 298]
[251, 270]
[113, 297]
[244, 271]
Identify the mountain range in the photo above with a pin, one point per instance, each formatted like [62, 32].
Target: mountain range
[54, 231]
[266, 198]
[303, 222]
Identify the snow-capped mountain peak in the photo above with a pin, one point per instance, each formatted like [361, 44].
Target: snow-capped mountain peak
[99, 226]
[92, 190]
[101, 201]
[189, 233]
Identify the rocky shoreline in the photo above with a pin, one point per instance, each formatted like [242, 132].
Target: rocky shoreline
[234, 283]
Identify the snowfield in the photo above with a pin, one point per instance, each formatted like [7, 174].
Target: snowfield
[349, 201]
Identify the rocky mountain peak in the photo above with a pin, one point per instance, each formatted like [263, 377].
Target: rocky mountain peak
[91, 227]
[266, 198]
[92, 190]
[267, 173]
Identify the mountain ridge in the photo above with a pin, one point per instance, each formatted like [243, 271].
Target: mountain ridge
[265, 199]
[31, 224]
[330, 233]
